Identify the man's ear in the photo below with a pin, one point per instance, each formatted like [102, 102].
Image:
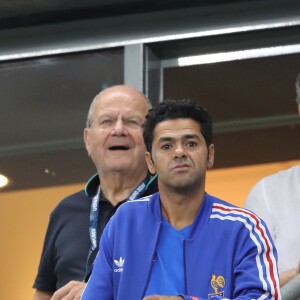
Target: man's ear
[150, 163]
[211, 156]
[86, 138]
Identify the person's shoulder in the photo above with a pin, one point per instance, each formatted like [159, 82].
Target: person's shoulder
[282, 175]
[291, 172]
[76, 199]
[275, 182]
[136, 204]
[225, 210]
[80, 198]
[220, 206]
[135, 207]
[215, 201]
[130, 212]
[77, 196]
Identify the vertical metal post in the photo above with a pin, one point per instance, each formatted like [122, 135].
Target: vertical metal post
[153, 77]
[134, 66]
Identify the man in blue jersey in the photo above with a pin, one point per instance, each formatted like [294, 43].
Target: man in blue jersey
[183, 243]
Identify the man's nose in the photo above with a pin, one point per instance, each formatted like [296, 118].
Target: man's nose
[119, 127]
[179, 150]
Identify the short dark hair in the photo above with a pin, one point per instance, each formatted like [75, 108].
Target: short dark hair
[177, 109]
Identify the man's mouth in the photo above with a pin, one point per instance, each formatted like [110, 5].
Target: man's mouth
[181, 166]
[114, 148]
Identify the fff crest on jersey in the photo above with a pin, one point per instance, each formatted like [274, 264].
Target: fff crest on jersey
[217, 282]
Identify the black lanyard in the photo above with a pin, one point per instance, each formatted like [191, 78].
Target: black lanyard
[94, 216]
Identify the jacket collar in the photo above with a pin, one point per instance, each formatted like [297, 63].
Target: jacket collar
[202, 216]
[92, 185]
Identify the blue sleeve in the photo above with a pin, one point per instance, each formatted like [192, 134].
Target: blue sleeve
[185, 297]
[100, 284]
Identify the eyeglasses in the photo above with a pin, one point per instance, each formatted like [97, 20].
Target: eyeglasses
[106, 123]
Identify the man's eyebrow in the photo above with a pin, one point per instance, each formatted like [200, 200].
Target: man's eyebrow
[105, 115]
[190, 136]
[166, 139]
[132, 116]
[184, 137]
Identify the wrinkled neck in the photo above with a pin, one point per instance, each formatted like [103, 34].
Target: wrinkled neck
[117, 187]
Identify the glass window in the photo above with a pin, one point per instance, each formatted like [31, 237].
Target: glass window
[252, 103]
[44, 104]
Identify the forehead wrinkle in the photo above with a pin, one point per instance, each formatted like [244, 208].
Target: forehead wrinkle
[116, 113]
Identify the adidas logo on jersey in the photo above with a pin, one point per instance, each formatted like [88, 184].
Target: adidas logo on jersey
[119, 263]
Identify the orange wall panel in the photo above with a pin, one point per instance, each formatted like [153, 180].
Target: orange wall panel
[24, 217]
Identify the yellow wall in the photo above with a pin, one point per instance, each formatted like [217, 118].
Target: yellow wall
[24, 217]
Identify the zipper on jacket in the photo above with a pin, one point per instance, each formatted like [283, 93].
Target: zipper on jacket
[184, 267]
[151, 261]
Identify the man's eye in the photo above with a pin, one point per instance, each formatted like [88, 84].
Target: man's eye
[105, 122]
[166, 147]
[132, 122]
[191, 144]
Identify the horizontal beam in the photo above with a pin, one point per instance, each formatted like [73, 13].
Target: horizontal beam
[195, 22]
[219, 127]
[256, 123]
[217, 57]
[41, 147]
